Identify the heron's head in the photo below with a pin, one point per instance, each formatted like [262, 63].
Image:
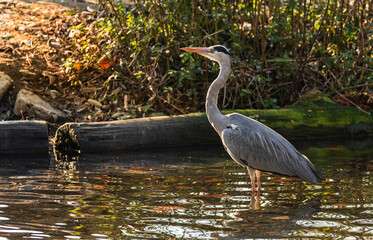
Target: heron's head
[216, 53]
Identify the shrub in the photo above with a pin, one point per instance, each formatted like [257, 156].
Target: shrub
[280, 50]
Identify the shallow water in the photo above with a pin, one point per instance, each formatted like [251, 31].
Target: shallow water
[190, 192]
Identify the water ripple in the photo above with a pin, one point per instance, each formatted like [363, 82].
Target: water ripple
[175, 194]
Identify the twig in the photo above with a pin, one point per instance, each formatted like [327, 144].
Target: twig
[210, 35]
[368, 113]
[359, 85]
[179, 109]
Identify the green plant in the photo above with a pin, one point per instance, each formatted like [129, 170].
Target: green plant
[280, 49]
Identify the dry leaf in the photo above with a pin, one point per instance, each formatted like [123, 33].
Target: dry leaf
[104, 62]
[94, 102]
[77, 66]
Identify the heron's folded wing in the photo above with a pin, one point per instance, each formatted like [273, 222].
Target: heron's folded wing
[264, 149]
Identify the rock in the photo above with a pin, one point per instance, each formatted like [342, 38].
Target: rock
[5, 83]
[31, 105]
[7, 36]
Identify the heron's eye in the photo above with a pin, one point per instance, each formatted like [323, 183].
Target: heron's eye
[211, 50]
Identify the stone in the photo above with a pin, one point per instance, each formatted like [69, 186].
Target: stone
[5, 83]
[31, 105]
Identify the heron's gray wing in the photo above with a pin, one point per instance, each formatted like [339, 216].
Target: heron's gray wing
[253, 144]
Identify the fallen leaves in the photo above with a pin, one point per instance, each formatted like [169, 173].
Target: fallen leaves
[363, 100]
[36, 43]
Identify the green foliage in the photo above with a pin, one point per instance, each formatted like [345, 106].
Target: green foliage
[280, 50]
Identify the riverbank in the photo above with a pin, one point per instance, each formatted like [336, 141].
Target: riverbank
[44, 51]
[39, 37]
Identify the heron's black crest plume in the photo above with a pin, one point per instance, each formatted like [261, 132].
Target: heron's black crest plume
[221, 49]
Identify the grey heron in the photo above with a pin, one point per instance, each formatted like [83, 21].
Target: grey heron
[250, 143]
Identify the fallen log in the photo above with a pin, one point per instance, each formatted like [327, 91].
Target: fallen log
[23, 137]
[301, 122]
[134, 133]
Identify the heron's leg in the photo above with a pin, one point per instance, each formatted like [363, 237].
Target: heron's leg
[252, 177]
[255, 201]
[258, 178]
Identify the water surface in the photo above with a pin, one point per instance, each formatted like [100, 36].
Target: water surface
[189, 192]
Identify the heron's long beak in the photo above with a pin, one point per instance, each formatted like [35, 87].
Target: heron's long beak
[200, 50]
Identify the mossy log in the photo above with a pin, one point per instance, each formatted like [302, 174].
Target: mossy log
[301, 122]
[23, 137]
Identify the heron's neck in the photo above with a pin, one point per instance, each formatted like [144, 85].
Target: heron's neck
[217, 120]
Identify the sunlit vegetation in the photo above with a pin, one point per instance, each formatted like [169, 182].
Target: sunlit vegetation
[131, 56]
